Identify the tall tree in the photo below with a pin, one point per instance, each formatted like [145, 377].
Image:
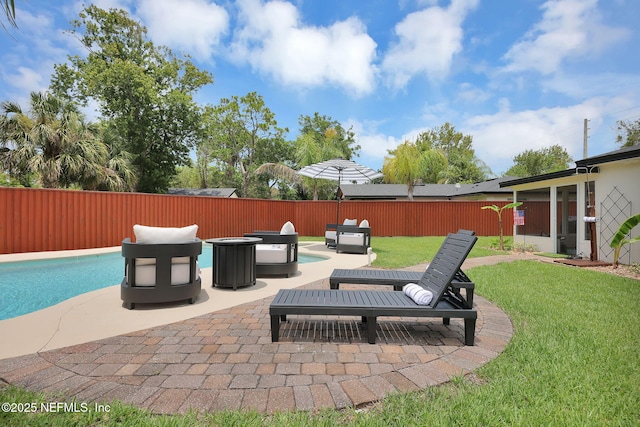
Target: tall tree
[411, 164]
[53, 143]
[462, 164]
[628, 132]
[144, 92]
[537, 162]
[239, 131]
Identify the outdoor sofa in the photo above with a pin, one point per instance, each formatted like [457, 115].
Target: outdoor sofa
[161, 266]
[369, 305]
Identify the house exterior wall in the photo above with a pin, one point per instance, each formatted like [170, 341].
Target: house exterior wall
[614, 181]
[618, 182]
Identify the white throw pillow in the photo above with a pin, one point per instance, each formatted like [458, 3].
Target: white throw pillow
[160, 235]
[288, 228]
[364, 224]
[350, 221]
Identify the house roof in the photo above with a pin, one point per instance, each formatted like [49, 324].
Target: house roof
[624, 153]
[206, 192]
[390, 191]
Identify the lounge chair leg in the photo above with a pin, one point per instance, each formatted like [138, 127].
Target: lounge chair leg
[275, 328]
[129, 305]
[446, 321]
[371, 328]
[469, 331]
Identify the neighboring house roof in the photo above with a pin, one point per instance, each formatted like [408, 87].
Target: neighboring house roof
[581, 166]
[205, 192]
[395, 191]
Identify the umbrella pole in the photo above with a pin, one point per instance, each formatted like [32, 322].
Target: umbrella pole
[338, 197]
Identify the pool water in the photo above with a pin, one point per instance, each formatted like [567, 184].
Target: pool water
[29, 286]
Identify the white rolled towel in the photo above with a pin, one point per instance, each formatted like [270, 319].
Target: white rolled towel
[417, 293]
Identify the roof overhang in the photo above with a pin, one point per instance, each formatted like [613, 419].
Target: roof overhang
[549, 176]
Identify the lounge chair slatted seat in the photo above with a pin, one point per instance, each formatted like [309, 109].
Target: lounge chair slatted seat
[399, 278]
[372, 304]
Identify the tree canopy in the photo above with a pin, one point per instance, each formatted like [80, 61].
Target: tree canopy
[143, 91]
[539, 162]
[628, 132]
[462, 164]
[52, 144]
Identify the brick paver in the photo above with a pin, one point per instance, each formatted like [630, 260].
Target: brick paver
[226, 360]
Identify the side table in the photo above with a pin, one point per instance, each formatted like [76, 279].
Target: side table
[234, 261]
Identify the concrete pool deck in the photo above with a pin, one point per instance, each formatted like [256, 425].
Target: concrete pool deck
[100, 314]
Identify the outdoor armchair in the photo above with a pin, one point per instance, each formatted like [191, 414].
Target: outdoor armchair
[277, 255]
[161, 266]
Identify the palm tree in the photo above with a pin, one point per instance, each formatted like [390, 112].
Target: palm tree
[408, 164]
[9, 8]
[309, 150]
[53, 143]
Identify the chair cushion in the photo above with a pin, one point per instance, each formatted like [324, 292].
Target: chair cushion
[350, 221]
[364, 223]
[160, 235]
[352, 239]
[164, 235]
[330, 234]
[146, 274]
[271, 254]
[288, 228]
[417, 293]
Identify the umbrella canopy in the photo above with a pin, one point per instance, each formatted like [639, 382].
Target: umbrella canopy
[340, 170]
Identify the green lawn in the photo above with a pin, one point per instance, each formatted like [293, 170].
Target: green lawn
[574, 359]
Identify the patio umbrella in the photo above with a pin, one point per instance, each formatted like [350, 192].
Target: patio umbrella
[340, 170]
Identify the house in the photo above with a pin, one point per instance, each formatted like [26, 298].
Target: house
[577, 211]
[486, 190]
[204, 192]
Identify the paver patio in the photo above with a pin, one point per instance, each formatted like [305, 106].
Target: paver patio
[226, 360]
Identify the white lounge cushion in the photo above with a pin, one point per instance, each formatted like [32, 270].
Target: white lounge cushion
[350, 221]
[352, 239]
[271, 254]
[146, 274]
[160, 235]
[417, 293]
[364, 223]
[330, 234]
[164, 235]
[288, 228]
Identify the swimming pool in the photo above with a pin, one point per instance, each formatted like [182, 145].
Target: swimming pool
[29, 286]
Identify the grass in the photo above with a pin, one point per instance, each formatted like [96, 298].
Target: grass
[573, 361]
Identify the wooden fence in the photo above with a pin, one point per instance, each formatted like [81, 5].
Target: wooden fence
[34, 220]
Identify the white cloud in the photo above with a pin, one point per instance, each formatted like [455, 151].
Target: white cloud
[569, 28]
[373, 144]
[273, 39]
[498, 138]
[428, 41]
[192, 26]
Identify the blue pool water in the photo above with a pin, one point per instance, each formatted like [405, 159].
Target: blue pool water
[33, 285]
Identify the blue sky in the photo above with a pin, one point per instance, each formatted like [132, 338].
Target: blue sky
[513, 74]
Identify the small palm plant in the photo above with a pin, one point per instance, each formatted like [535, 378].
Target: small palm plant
[621, 237]
[498, 210]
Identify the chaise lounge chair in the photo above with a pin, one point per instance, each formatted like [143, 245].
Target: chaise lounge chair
[399, 278]
[370, 305]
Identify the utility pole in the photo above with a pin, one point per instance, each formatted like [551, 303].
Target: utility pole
[585, 139]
